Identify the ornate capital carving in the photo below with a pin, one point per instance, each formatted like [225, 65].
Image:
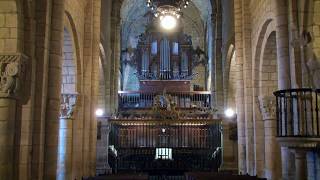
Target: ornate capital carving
[68, 103]
[268, 107]
[12, 74]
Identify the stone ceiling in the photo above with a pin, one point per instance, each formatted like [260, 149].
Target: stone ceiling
[133, 20]
[135, 8]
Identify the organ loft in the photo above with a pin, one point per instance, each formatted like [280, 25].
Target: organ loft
[159, 89]
[167, 123]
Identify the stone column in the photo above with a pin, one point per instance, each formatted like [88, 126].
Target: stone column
[102, 147]
[229, 141]
[117, 51]
[242, 166]
[11, 74]
[115, 46]
[301, 165]
[65, 142]
[213, 69]
[281, 17]
[272, 149]
[283, 61]
[218, 81]
[54, 75]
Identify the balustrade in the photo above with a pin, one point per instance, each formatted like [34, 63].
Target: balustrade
[298, 113]
[138, 99]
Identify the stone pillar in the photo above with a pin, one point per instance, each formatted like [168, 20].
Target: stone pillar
[218, 81]
[283, 61]
[288, 166]
[229, 161]
[115, 46]
[242, 166]
[11, 74]
[248, 89]
[65, 142]
[54, 75]
[281, 17]
[301, 165]
[105, 31]
[272, 149]
[102, 147]
[117, 51]
[213, 69]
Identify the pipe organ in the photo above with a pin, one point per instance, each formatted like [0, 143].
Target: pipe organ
[164, 56]
[165, 125]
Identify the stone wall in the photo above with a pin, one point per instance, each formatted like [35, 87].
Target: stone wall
[35, 28]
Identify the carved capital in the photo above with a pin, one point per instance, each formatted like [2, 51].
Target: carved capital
[12, 74]
[67, 107]
[268, 107]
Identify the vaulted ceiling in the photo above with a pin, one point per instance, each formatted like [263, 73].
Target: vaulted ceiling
[133, 21]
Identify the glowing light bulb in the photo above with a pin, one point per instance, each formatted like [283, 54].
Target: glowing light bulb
[99, 112]
[229, 113]
[168, 22]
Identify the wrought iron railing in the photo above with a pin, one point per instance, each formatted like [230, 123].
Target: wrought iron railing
[185, 146]
[139, 100]
[298, 113]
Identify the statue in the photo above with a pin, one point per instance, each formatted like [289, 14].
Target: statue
[165, 107]
[314, 69]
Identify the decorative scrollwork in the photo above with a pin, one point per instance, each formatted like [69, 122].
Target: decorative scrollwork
[165, 108]
[12, 69]
[68, 102]
[268, 107]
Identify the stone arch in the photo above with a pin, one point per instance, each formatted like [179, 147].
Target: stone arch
[68, 65]
[102, 85]
[268, 82]
[264, 32]
[229, 73]
[68, 148]
[70, 26]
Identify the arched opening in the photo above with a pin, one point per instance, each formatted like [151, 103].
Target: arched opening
[68, 103]
[230, 144]
[230, 76]
[135, 20]
[268, 83]
[268, 68]
[259, 133]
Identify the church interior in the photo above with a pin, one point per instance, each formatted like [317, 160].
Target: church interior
[159, 89]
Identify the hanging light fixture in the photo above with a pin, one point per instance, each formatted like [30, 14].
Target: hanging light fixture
[168, 11]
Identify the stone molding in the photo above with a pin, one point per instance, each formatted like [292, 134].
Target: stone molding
[268, 107]
[12, 74]
[298, 142]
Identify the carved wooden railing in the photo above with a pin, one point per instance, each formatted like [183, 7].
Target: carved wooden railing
[298, 113]
[141, 100]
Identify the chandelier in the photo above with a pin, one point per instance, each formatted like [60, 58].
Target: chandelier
[168, 11]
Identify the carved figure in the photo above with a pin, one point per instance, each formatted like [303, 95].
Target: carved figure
[9, 74]
[67, 106]
[314, 69]
[164, 107]
[268, 107]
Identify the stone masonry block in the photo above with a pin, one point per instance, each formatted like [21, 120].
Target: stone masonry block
[2, 20]
[4, 33]
[11, 20]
